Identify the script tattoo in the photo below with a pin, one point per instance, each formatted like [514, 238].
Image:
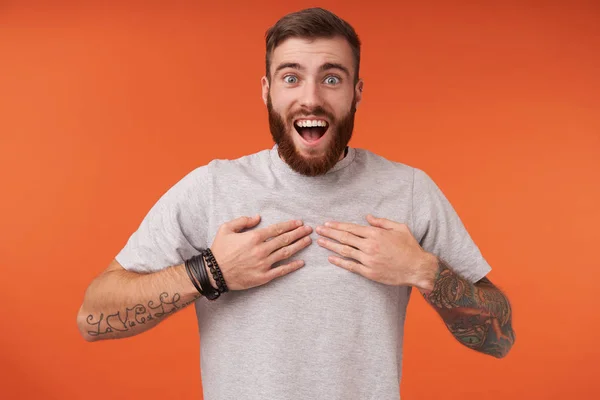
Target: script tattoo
[478, 315]
[137, 315]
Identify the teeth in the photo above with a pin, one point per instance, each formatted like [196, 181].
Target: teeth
[309, 123]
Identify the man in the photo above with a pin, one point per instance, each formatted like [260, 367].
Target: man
[302, 319]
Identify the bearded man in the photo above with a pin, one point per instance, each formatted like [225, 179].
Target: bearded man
[300, 259]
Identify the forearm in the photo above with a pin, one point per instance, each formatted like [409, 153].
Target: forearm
[121, 303]
[478, 315]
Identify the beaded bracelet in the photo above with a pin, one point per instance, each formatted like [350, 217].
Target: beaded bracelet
[219, 279]
[214, 272]
[211, 292]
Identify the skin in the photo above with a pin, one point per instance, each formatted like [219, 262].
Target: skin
[316, 78]
[477, 314]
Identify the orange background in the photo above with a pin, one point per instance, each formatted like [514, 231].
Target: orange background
[104, 107]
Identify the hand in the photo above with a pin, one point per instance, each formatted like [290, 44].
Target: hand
[245, 259]
[385, 252]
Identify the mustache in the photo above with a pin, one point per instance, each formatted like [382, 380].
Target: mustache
[317, 111]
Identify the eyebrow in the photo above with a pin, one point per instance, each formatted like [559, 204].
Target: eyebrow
[328, 66]
[324, 67]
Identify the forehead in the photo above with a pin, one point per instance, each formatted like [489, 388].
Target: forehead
[312, 53]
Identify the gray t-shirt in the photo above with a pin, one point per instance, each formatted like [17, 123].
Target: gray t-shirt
[320, 332]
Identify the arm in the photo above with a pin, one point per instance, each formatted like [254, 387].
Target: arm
[149, 281]
[121, 303]
[478, 315]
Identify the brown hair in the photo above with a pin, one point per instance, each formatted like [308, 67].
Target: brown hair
[311, 23]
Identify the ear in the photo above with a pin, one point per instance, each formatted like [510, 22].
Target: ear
[358, 91]
[265, 88]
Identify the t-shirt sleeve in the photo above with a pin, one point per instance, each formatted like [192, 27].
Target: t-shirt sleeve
[173, 230]
[439, 230]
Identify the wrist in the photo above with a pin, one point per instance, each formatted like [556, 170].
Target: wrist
[188, 288]
[427, 272]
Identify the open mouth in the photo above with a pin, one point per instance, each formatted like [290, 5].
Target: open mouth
[311, 130]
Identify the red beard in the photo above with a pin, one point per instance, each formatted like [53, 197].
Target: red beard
[340, 131]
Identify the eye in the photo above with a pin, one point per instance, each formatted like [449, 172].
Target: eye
[332, 80]
[291, 79]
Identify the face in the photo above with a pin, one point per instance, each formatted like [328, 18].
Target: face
[311, 99]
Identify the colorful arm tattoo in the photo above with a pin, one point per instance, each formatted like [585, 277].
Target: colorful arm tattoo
[478, 315]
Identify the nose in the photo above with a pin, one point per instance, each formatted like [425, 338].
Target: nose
[310, 96]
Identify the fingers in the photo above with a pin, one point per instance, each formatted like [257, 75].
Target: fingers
[358, 230]
[241, 223]
[284, 270]
[286, 239]
[351, 266]
[288, 251]
[344, 237]
[277, 229]
[343, 250]
[383, 223]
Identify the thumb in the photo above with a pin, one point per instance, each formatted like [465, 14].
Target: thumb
[241, 223]
[381, 222]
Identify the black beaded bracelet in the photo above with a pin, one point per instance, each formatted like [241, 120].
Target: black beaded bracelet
[221, 282]
[214, 273]
[215, 270]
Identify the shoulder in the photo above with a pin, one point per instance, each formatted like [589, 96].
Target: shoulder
[245, 162]
[382, 165]
[220, 166]
[385, 169]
